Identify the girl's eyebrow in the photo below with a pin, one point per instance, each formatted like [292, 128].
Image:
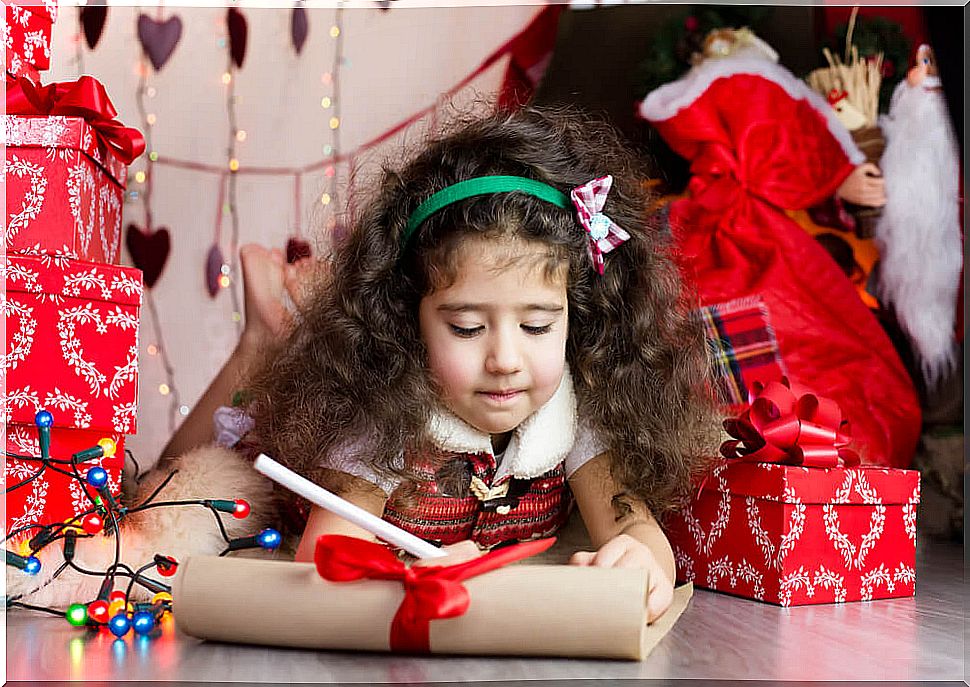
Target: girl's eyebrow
[481, 307]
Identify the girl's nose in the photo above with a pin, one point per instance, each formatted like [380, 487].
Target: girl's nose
[503, 355]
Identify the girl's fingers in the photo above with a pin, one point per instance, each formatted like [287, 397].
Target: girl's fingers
[582, 558]
[659, 599]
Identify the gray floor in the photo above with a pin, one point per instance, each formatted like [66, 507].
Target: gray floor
[719, 636]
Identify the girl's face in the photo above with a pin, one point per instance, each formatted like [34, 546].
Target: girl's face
[496, 337]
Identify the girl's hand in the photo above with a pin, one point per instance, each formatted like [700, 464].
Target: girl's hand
[267, 282]
[624, 551]
[457, 553]
[864, 186]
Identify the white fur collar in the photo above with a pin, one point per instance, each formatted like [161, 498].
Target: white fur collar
[538, 445]
[666, 101]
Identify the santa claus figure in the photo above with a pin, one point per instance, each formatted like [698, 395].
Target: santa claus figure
[760, 143]
[919, 231]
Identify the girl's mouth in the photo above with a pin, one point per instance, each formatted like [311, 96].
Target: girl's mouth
[501, 396]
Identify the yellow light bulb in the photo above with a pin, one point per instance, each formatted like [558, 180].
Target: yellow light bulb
[152, 349]
[163, 389]
[240, 135]
[226, 78]
[224, 281]
[140, 177]
[325, 102]
[108, 446]
[334, 122]
[161, 596]
[150, 118]
[325, 199]
[233, 165]
[334, 31]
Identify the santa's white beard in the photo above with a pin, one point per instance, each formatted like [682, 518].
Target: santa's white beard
[919, 231]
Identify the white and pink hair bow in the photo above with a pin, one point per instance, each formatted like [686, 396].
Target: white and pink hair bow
[604, 233]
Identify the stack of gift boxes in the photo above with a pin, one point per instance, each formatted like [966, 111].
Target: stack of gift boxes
[791, 517]
[71, 312]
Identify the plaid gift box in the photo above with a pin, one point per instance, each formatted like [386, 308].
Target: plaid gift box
[64, 190]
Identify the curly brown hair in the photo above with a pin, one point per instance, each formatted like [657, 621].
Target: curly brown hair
[356, 365]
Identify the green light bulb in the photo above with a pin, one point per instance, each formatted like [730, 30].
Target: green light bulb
[77, 614]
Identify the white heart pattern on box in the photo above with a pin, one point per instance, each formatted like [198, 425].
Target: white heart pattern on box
[109, 213]
[853, 555]
[83, 199]
[33, 199]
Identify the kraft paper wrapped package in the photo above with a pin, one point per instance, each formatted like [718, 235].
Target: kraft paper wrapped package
[527, 610]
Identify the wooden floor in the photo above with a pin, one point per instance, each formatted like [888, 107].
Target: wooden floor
[719, 636]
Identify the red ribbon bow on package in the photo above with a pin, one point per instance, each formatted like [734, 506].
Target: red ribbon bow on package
[85, 98]
[430, 592]
[791, 426]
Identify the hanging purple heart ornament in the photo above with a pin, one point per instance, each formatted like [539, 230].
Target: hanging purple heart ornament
[149, 251]
[93, 18]
[236, 23]
[299, 28]
[159, 38]
[213, 270]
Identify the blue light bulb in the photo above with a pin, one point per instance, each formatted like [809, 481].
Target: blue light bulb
[269, 538]
[43, 419]
[97, 477]
[32, 566]
[142, 622]
[119, 625]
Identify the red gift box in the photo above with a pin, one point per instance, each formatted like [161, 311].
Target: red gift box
[27, 35]
[64, 189]
[794, 535]
[72, 342]
[52, 497]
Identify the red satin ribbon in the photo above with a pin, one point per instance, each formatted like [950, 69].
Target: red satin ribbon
[795, 427]
[85, 98]
[430, 592]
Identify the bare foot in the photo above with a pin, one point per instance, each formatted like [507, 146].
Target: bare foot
[272, 290]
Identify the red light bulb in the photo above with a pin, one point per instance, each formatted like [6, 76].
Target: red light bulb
[167, 570]
[98, 611]
[92, 523]
[117, 595]
[242, 509]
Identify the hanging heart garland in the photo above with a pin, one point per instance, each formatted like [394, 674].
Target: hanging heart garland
[159, 38]
[149, 251]
[299, 28]
[213, 269]
[236, 23]
[93, 18]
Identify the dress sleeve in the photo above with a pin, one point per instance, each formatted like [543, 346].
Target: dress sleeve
[230, 425]
[345, 459]
[586, 446]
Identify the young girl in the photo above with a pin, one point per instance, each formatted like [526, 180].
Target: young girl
[501, 332]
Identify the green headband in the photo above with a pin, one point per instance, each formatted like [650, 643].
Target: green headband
[480, 186]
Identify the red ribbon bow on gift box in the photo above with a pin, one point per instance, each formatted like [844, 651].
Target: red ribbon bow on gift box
[796, 427]
[430, 592]
[85, 98]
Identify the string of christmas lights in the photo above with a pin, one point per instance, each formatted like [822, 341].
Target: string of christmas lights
[111, 608]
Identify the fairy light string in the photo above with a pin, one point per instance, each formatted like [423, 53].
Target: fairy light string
[227, 280]
[112, 609]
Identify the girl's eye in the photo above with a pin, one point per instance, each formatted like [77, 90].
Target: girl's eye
[465, 332]
[536, 331]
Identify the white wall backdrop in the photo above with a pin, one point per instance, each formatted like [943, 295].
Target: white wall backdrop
[397, 62]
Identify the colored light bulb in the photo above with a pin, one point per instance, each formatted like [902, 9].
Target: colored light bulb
[142, 622]
[269, 538]
[119, 606]
[117, 595]
[77, 614]
[97, 477]
[92, 523]
[119, 625]
[166, 565]
[98, 611]
[162, 597]
[32, 565]
[242, 509]
[108, 446]
[43, 419]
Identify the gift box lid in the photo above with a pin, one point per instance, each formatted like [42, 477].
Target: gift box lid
[55, 131]
[795, 484]
[54, 277]
[42, 8]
